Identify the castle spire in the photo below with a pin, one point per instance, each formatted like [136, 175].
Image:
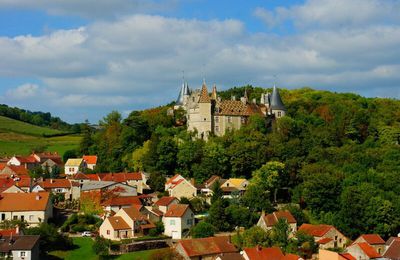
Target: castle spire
[276, 100]
[204, 97]
[214, 93]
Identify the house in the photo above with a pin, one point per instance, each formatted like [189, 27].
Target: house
[165, 202]
[48, 160]
[330, 255]
[132, 178]
[179, 187]
[205, 248]
[373, 240]
[266, 222]
[73, 166]
[13, 171]
[126, 223]
[82, 177]
[114, 204]
[28, 162]
[118, 189]
[234, 186]
[206, 190]
[326, 236]
[178, 219]
[91, 161]
[55, 186]
[19, 247]
[5, 183]
[34, 208]
[363, 251]
[392, 248]
[260, 253]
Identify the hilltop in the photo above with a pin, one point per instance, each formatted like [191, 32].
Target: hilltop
[17, 137]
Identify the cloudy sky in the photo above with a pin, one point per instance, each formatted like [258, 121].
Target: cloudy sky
[81, 59]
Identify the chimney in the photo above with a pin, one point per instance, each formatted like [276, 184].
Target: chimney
[192, 181]
[17, 230]
[254, 101]
[259, 248]
[51, 181]
[37, 197]
[233, 98]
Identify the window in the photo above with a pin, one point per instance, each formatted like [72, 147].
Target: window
[335, 238]
[22, 254]
[279, 113]
[229, 119]
[22, 218]
[3, 216]
[108, 232]
[15, 217]
[172, 222]
[189, 221]
[205, 119]
[216, 128]
[30, 217]
[243, 120]
[217, 119]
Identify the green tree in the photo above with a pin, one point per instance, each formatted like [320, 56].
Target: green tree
[217, 216]
[270, 177]
[254, 236]
[202, 229]
[101, 246]
[280, 233]
[217, 191]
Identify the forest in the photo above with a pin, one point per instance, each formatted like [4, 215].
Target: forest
[337, 155]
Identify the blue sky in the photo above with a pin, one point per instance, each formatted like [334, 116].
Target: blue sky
[82, 59]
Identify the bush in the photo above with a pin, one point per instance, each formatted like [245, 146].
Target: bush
[50, 239]
[79, 228]
[153, 232]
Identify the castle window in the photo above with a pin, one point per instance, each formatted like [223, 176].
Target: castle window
[205, 119]
[229, 119]
[243, 119]
[279, 113]
[216, 128]
[216, 119]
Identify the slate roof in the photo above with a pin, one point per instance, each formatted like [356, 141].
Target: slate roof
[95, 185]
[276, 101]
[18, 243]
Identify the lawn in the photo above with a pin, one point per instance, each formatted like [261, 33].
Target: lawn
[84, 252]
[15, 126]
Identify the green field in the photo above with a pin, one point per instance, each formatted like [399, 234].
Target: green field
[19, 138]
[84, 251]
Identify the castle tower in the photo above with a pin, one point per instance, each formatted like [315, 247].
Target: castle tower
[183, 96]
[214, 93]
[277, 107]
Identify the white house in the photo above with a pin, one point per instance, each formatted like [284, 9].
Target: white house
[91, 161]
[20, 247]
[178, 219]
[73, 166]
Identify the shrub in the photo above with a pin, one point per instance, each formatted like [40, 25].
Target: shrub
[101, 246]
[202, 229]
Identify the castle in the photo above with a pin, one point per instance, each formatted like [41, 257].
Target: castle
[208, 114]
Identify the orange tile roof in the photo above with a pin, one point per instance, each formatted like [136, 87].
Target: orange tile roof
[118, 223]
[173, 179]
[26, 159]
[24, 201]
[272, 219]
[24, 182]
[176, 210]
[120, 177]
[368, 250]
[121, 201]
[315, 230]
[55, 183]
[207, 246]
[8, 232]
[19, 170]
[164, 201]
[259, 253]
[6, 183]
[373, 239]
[291, 257]
[133, 213]
[90, 159]
[2, 165]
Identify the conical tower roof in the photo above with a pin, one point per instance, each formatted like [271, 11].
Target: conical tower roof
[179, 100]
[276, 100]
[214, 93]
[204, 98]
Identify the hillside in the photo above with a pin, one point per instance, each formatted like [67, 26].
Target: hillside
[18, 137]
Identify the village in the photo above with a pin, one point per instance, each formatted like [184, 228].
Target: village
[127, 210]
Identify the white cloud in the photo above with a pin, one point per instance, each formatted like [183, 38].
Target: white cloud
[136, 61]
[24, 91]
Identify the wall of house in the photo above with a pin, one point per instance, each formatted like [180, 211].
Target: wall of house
[33, 218]
[328, 255]
[127, 219]
[356, 251]
[338, 237]
[28, 255]
[106, 225]
[71, 170]
[183, 189]
[200, 119]
[379, 248]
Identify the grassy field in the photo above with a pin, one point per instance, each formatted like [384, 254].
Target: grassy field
[20, 138]
[84, 251]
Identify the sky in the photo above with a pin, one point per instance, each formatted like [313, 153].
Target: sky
[82, 59]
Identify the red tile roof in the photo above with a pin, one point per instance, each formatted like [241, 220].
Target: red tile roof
[2, 165]
[164, 201]
[368, 250]
[37, 201]
[173, 179]
[207, 246]
[19, 170]
[24, 182]
[348, 256]
[26, 159]
[121, 201]
[259, 253]
[291, 257]
[393, 251]
[176, 210]
[133, 213]
[120, 177]
[315, 230]
[90, 159]
[272, 219]
[324, 240]
[6, 183]
[373, 239]
[8, 232]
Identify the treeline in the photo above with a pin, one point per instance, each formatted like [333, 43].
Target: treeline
[340, 155]
[38, 118]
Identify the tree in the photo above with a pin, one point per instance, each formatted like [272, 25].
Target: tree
[87, 139]
[157, 181]
[280, 233]
[217, 216]
[50, 238]
[202, 229]
[101, 246]
[254, 236]
[270, 177]
[257, 199]
[137, 157]
[216, 191]
[69, 154]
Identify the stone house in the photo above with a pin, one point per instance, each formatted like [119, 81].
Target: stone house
[266, 222]
[373, 240]
[363, 251]
[179, 187]
[326, 236]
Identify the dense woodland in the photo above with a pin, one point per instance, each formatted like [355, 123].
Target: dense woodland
[336, 155]
[38, 118]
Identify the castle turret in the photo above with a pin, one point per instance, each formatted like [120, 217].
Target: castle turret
[214, 93]
[277, 107]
